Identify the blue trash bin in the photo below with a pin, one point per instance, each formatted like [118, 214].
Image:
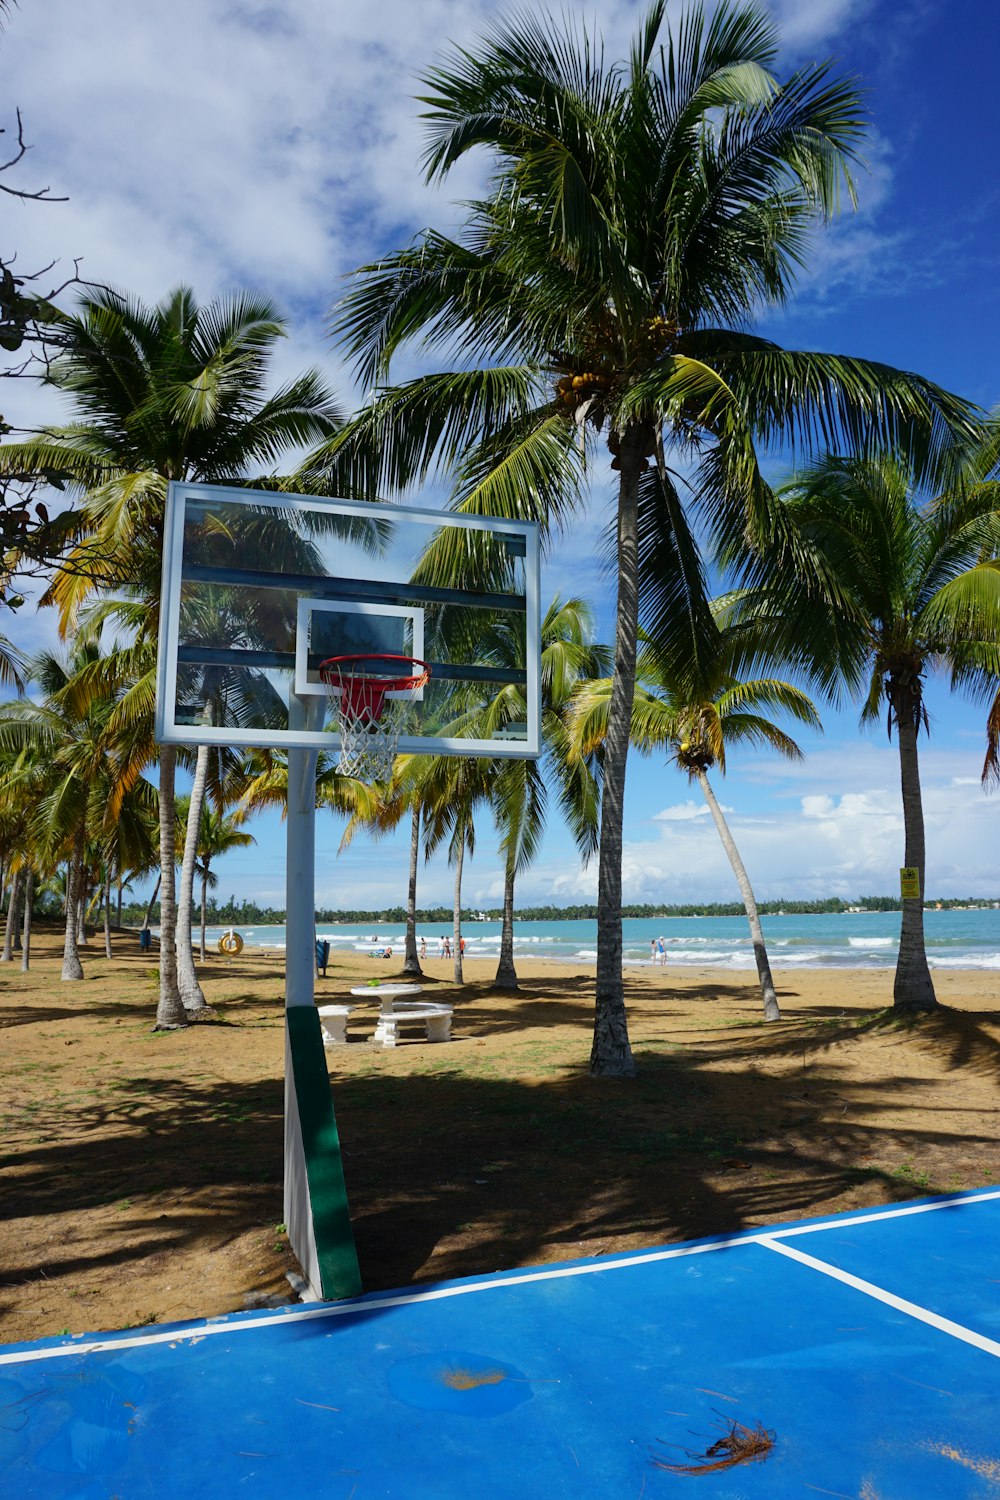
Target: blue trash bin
[145, 940]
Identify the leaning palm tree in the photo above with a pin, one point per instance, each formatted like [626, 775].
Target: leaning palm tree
[639, 215]
[696, 719]
[889, 588]
[176, 391]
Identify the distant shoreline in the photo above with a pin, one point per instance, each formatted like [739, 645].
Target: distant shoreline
[955, 939]
[250, 914]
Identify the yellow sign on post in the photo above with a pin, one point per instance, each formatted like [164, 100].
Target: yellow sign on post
[909, 883]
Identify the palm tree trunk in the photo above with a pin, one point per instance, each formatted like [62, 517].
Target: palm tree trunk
[191, 991]
[16, 886]
[204, 904]
[29, 901]
[771, 1011]
[152, 901]
[107, 916]
[506, 975]
[411, 963]
[119, 922]
[81, 913]
[913, 988]
[170, 1012]
[611, 1053]
[457, 921]
[72, 968]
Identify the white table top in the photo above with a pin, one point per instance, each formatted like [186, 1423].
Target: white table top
[386, 989]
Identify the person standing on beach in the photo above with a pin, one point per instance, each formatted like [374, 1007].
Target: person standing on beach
[661, 949]
[653, 950]
[423, 947]
[442, 947]
[447, 947]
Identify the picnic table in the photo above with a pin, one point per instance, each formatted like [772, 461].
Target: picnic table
[394, 1012]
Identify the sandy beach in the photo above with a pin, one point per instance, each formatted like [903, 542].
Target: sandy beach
[144, 1170]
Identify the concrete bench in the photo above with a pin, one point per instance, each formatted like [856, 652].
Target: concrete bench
[333, 1023]
[436, 1020]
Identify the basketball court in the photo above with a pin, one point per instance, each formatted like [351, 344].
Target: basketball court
[855, 1357]
[867, 1346]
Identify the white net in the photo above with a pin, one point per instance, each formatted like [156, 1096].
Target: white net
[367, 750]
[368, 722]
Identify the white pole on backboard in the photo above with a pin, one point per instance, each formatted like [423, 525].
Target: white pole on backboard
[316, 1209]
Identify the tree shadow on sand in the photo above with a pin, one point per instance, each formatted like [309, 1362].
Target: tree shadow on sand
[453, 1174]
[963, 1040]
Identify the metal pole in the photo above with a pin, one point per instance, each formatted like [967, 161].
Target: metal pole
[316, 1207]
[300, 870]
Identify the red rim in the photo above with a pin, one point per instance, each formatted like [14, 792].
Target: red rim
[330, 669]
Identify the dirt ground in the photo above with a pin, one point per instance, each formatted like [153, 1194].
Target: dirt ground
[142, 1171]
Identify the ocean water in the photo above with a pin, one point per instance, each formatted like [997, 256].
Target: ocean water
[862, 940]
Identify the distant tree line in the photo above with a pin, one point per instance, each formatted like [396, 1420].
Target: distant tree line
[249, 914]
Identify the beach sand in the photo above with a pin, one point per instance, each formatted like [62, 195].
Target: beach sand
[143, 1170]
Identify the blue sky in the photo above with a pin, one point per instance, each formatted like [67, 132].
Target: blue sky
[233, 142]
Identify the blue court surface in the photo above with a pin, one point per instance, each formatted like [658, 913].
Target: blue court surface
[868, 1344]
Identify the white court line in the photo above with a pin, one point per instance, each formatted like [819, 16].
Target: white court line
[767, 1238]
[912, 1309]
[877, 1214]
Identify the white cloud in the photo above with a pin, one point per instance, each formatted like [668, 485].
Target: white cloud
[680, 812]
[845, 836]
[807, 24]
[683, 812]
[223, 142]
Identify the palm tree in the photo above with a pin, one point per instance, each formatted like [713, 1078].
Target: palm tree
[262, 782]
[451, 788]
[19, 855]
[18, 795]
[130, 846]
[696, 719]
[639, 215]
[888, 588]
[383, 810]
[519, 790]
[218, 833]
[12, 665]
[171, 392]
[89, 771]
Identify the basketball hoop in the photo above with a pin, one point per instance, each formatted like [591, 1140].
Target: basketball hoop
[368, 722]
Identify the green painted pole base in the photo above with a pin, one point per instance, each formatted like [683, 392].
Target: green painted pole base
[316, 1210]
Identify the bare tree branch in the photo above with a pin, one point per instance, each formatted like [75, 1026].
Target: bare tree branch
[43, 195]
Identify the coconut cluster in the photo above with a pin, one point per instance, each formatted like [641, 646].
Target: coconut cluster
[604, 364]
[573, 390]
